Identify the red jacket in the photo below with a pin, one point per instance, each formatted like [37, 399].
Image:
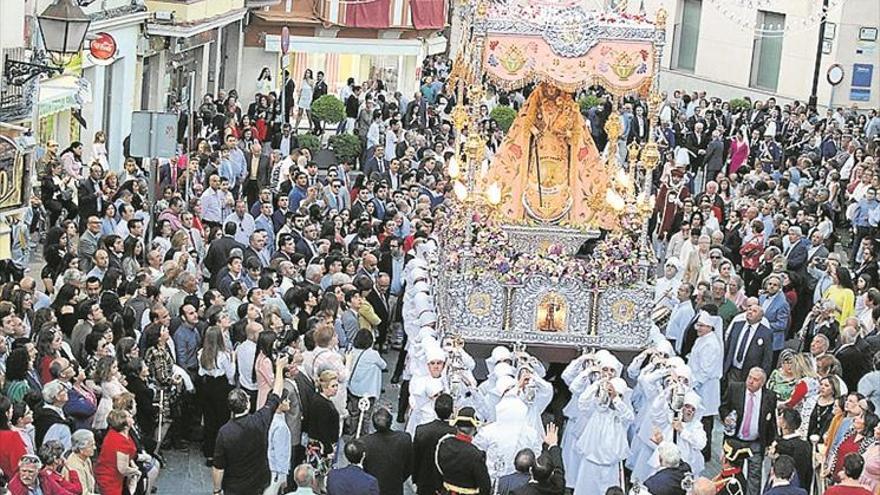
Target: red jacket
[51, 482]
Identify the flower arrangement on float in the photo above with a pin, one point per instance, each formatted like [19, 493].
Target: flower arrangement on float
[485, 250]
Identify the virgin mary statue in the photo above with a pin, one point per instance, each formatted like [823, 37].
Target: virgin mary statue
[548, 167]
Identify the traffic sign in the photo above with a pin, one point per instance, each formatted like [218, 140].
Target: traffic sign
[154, 134]
[285, 40]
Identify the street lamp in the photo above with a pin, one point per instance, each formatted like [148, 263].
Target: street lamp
[63, 26]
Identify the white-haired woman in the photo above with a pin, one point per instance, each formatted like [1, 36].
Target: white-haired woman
[80, 459]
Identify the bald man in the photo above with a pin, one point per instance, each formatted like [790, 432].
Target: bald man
[703, 486]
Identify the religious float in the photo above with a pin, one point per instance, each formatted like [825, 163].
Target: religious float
[548, 244]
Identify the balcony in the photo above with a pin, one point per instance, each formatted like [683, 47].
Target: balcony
[385, 14]
[193, 11]
[259, 4]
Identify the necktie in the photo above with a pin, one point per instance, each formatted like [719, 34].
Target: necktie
[741, 351]
[747, 416]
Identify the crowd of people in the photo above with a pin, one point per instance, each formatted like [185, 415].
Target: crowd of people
[246, 306]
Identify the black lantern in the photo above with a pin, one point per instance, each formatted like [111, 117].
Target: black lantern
[63, 26]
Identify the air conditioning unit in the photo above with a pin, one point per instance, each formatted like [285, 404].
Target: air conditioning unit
[143, 47]
[164, 16]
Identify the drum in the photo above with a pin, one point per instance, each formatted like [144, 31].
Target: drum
[660, 315]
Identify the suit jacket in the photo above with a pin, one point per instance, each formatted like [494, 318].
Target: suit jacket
[667, 481]
[778, 313]
[88, 199]
[855, 359]
[714, 157]
[785, 490]
[307, 393]
[383, 311]
[264, 171]
[760, 350]
[218, 253]
[389, 459]
[372, 166]
[555, 484]
[735, 400]
[303, 248]
[351, 480]
[88, 244]
[424, 471]
[797, 256]
[801, 451]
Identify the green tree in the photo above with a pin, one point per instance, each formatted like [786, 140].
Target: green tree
[345, 147]
[328, 108]
[311, 142]
[504, 115]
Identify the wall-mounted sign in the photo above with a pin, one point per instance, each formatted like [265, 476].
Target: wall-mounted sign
[830, 31]
[868, 34]
[835, 74]
[862, 75]
[103, 48]
[827, 46]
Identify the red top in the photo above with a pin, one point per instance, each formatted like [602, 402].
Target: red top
[11, 449]
[107, 477]
[847, 490]
[798, 394]
[848, 446]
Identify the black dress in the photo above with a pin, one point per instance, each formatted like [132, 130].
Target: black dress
[323, 423]
[820, 419]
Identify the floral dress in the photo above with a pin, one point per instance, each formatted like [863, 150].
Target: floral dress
[160, 361]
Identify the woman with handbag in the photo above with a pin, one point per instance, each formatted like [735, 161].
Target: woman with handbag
[365, 379]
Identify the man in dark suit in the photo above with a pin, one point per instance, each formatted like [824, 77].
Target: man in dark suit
[352, 479]
[798, 251]
[425, 475]
[319, 90]
[754, 426]
[284, 140]
[377, 296]
[749, 344]
[781, 482]
[522, 463]
[289, 96]
[258, 172]
[667, 481]
[714, 158]
[462, 464]
[376, 164]
[548, 473]
[854, 355]
[218, 251]
[388, 454]
[791, 444]
[91, 197]
[306, 244]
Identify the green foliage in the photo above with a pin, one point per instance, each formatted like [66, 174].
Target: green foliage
[328, 108]
[345, 147]
[504, 115]
[739, 104]
[310, 141]
[587, 102]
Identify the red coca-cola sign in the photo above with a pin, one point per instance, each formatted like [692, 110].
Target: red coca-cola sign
[103, 47]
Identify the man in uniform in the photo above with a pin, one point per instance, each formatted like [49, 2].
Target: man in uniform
[462, 465]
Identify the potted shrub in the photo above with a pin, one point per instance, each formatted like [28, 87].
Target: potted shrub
[328, 108]
[346, 147]
[503, 115]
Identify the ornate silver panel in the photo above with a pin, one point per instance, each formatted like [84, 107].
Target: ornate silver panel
[475, 303]
[623, 316]
[538, 239]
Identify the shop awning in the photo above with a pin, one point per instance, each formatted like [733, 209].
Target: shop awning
[62, 93]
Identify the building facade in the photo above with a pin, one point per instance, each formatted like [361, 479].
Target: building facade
[364, 39]
[713, 46]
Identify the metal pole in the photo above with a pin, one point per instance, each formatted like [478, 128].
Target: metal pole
[191, 109]
[815, 88]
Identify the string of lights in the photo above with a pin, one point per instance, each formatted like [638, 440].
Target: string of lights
[743, 14]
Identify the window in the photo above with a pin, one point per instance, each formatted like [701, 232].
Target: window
[687, 34]
[767, 52]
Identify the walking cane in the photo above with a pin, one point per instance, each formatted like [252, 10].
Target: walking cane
[363, 407]
[161, 414]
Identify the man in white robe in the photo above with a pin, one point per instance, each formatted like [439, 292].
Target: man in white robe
[687, 433]
[585, 370]
[707, 368]
[603, 442]
[423, 389]
[509, 433]
[681, 316]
